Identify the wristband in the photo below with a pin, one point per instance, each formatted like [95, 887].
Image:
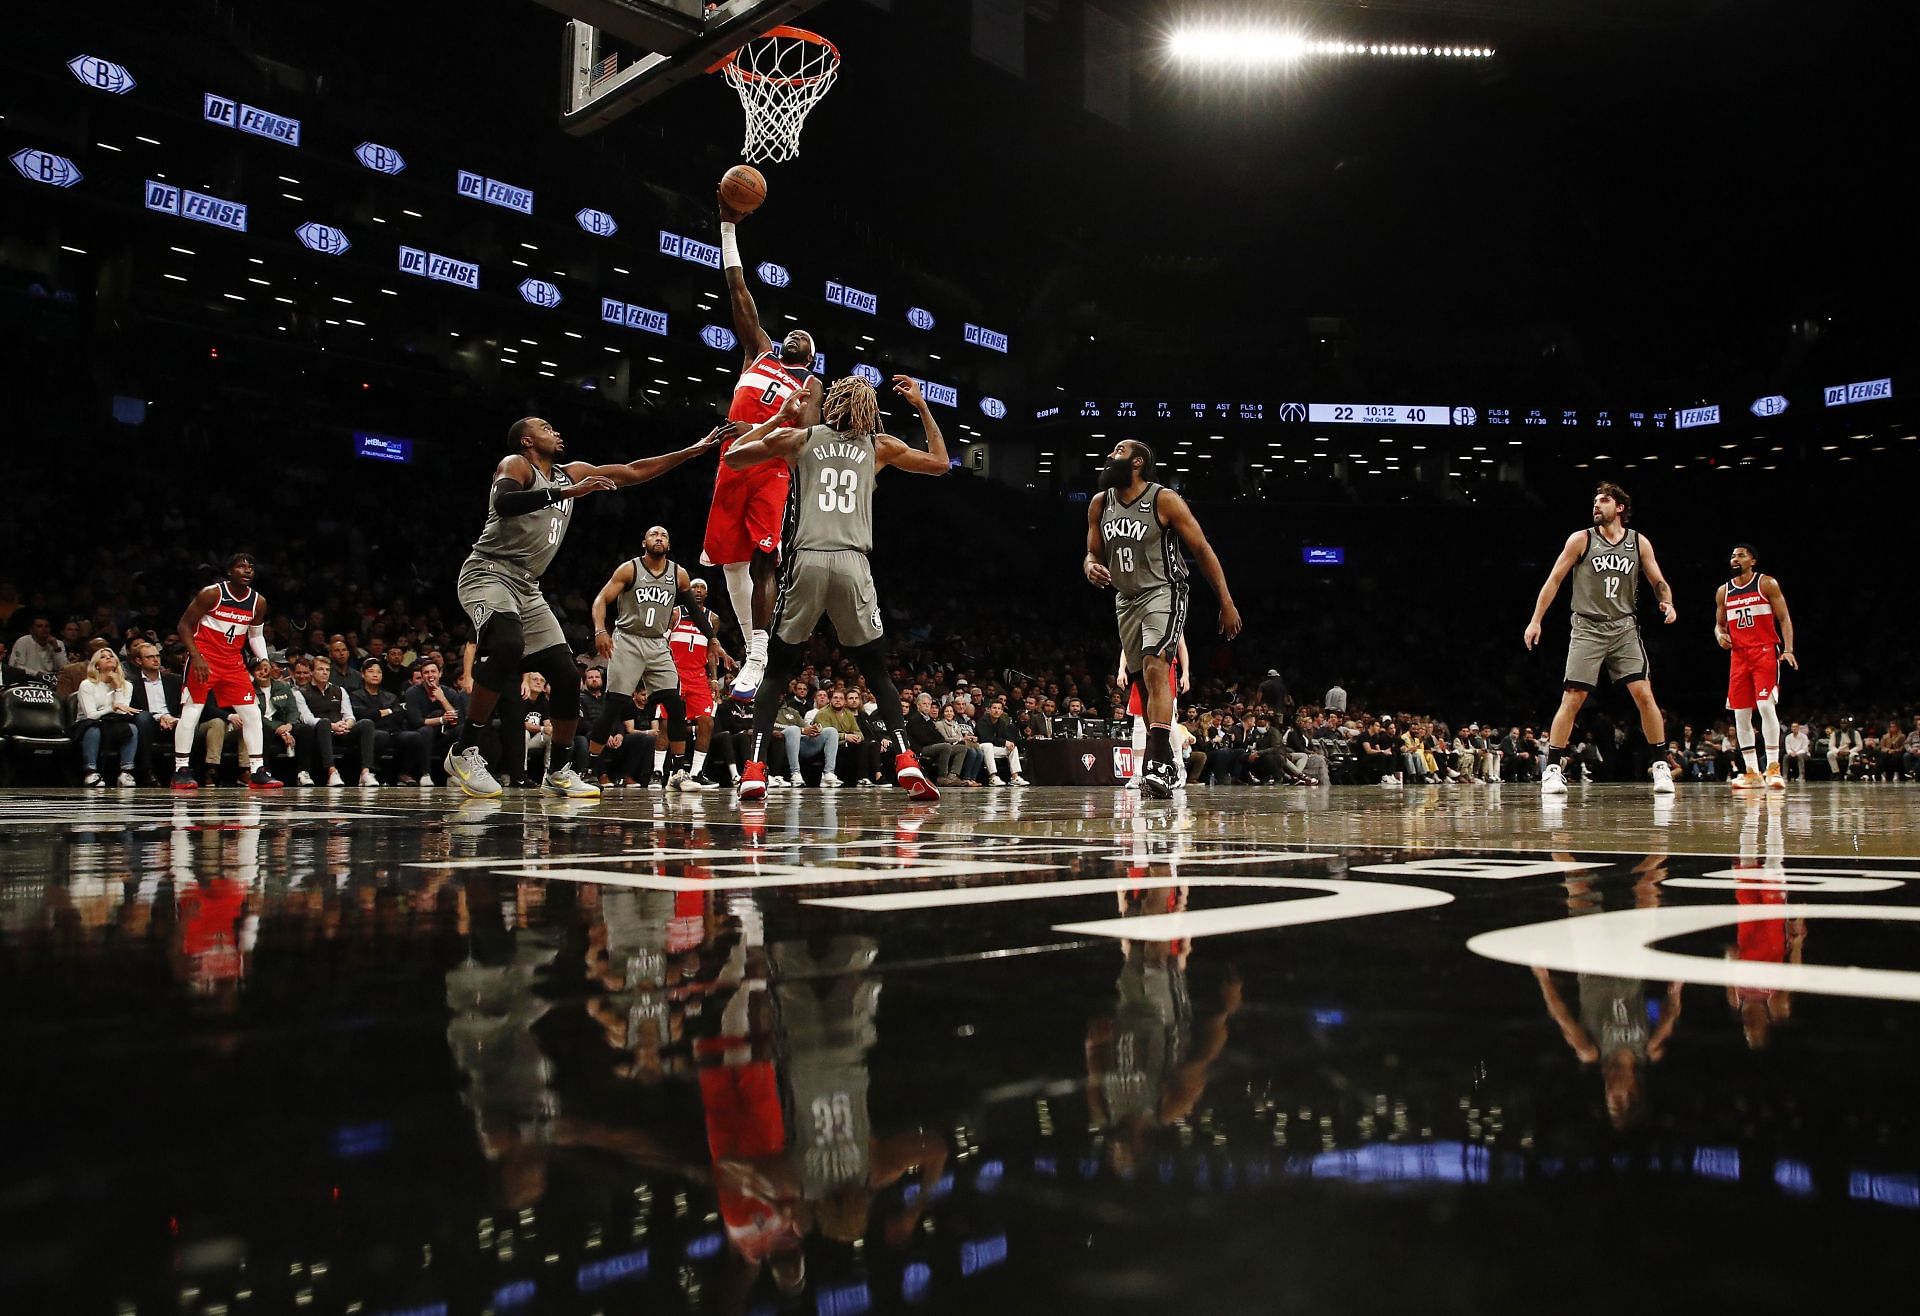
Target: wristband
[729, 248]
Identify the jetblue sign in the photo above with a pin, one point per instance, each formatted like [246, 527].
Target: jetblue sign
[673, 244]
[919, 317]
[994, 408]
[718, 338]
[45, 167]
[538, 292]
[382, 447]
[852, 298]
[102, 74]
[615, 311]
[1771, 405]
[323, 238]
[1692, 417]
[441, 269]
[250, 119]
[380, 159]
[774, 276]
[945, 394]
[597, 222]
[493, 192]
[987, 338]
[1867, 390]
[196, 206]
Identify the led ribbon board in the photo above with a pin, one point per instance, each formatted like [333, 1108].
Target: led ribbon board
[685, 248]
[615, 311]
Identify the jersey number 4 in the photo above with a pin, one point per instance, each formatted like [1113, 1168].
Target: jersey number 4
[838, 495]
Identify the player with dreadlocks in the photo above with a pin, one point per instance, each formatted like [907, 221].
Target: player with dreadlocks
[827, 536]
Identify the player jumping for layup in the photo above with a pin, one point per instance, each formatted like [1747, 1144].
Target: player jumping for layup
[1751, 620]
[749, 503]
[499, 588]
[1606, 632]
[1129, 548]
[829, 533]
[219, 623]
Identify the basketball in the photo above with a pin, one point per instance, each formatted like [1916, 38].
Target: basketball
[743, 187]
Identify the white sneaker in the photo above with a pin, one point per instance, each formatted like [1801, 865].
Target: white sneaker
[747, 683]
[368, 779]
[1553, 780]
[426, 783]
[92, 779]
[303, 778]
[468, 770]
[1662, 778]
[1018, 780]
[571, 784]
[829, 782]
[685, 781]
[1133, 782]
[126, 779]
[333, 777]
[776, 783]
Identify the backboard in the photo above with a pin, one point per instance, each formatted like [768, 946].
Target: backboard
[620, 54]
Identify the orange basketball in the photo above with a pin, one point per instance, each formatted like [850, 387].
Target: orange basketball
[743, 187]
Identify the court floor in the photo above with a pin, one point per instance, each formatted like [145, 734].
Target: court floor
[1456, 1050]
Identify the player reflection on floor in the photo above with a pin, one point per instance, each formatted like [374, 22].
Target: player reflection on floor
[1762, 871]
[1617, 1029]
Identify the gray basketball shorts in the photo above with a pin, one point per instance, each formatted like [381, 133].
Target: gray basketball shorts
[1613, 647]
[836, 583]
[641, 662]
[486, 587]
[1151, 623]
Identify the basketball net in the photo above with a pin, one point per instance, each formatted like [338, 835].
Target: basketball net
[780, 76]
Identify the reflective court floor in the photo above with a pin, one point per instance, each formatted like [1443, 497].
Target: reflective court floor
[1255, 1050]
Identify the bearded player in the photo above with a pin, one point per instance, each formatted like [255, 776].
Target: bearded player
[1135, 528]
[750, 504]
[1751, 622]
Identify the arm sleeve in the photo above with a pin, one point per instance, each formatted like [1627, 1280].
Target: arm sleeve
[509, 499]
[257, 642]
[688, 608]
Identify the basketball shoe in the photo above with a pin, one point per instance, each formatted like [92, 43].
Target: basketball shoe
[907, 771]
[1553, 780]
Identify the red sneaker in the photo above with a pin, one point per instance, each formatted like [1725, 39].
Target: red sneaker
[753, 784]
[262, 780]
[906, 768]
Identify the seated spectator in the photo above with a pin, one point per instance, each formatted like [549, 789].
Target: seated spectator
[1077, 723]
[539, 727]
[156, 710]
[433, 708]
[804, 740]
[280, 724]
[1375, 750]
[381, 709]
[38, 652]
[1910, 762]
[105, 719]
[1891, 762]
[1842, 744]
[859, 760]
[1795, 749]
[938, 755]
[78, 668]
[998, 745]
[1266, 750]
[1305, 764]
[973, 769]
[336, 734]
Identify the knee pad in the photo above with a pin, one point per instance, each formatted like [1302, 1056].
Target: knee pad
[498, 649]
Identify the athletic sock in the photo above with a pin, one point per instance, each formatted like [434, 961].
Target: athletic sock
[469, 734]
[180, 762]
[1160, 743]
[1556, 754]
[699, 761]
[757, 648]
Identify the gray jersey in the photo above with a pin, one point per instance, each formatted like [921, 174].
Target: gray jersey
[646, 606]
[827, 1009]
[530, 541]
[1135, 546]
[831, 505]
[1606, 580]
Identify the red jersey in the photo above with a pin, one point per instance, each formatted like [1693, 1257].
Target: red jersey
[1750, 617]
[222, 634]
[764, 388]
[689, 648]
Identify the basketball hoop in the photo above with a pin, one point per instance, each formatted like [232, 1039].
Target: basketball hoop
[780, 76]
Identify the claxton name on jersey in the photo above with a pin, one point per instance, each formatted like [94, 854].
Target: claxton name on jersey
[1611, 562]
[1120, 529]
[852, 452]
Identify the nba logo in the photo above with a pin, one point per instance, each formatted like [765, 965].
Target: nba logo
[1086, 761]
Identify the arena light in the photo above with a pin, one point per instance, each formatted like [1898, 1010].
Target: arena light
[1258, 46]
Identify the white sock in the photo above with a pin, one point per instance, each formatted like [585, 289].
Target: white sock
[740, 592]
[699, 761]
[757, 648]
[1139, 747]
[1743, 733]
[252, 737]
[183, 735]
[1770, 730]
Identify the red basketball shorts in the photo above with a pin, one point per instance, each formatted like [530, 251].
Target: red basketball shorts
[1755, 677]
[229, 683]
[747, 511]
